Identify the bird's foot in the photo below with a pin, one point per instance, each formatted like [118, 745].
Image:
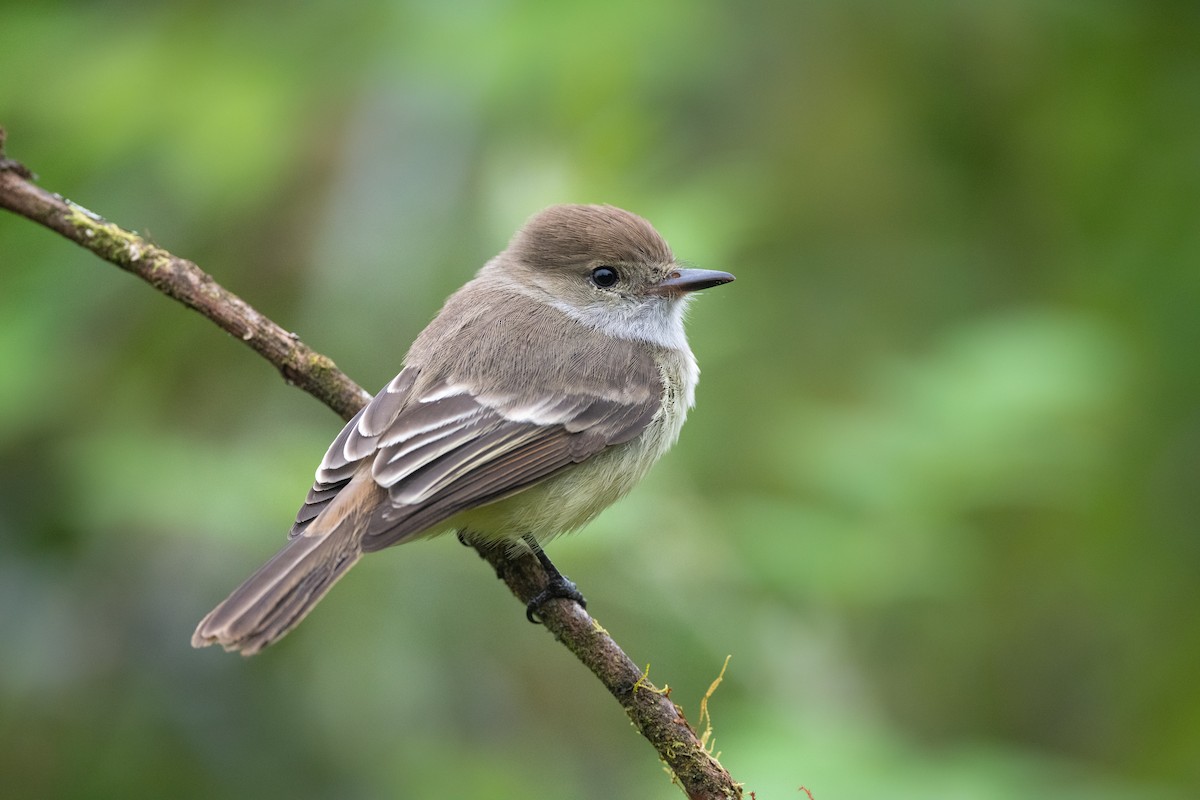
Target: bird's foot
[557, 586]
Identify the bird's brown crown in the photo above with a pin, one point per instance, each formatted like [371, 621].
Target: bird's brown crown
[567, 236]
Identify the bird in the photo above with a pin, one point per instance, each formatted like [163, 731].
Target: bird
[541, 393]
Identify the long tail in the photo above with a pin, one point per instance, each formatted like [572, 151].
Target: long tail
[274, 599]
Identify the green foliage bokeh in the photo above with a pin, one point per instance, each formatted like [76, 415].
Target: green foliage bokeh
[937, 499]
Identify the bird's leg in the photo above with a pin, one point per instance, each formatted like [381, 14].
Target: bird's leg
[557, 584]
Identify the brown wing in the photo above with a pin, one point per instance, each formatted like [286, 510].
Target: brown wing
[449, 449]
[358, 439]
[467, 425]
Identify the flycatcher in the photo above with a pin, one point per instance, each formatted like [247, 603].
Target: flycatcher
[542, 392]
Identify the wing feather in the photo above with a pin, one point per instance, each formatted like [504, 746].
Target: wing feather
[358, 439]
[536, 462]
[439, 446]
[494, 446]
[392, 465]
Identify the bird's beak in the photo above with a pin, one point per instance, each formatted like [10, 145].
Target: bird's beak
[682, 281]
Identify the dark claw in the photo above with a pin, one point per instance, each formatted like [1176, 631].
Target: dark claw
[558, 586]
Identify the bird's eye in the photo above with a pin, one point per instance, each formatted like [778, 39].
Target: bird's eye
[605, 277]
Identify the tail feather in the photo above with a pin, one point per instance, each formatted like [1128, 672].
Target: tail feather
[274, 599]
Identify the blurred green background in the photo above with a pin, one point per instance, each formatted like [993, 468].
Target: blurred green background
[938, 497]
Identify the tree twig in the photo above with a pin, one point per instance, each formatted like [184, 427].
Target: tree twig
[658, 719]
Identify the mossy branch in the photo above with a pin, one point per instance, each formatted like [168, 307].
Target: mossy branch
[659, 720]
